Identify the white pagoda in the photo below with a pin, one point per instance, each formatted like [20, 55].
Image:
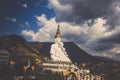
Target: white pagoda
[58, 52]
[59, 57]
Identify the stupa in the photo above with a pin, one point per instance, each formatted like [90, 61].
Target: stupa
[60, 60]
[57, 51]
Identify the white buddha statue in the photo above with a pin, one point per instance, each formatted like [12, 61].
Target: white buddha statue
[58, 53]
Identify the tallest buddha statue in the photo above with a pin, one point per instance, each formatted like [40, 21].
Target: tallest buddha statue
[57, 51]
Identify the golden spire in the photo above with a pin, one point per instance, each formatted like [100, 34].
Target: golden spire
[58, 32]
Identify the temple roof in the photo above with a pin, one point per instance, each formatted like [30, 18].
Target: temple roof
[58, 32]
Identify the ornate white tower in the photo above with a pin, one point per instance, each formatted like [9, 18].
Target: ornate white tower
[58, 52]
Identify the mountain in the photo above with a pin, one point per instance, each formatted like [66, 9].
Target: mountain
[19, 48]
[75, 53]
[21, 51]
[17, 45]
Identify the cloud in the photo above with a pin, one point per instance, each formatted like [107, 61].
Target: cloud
[58, 7]
[113, 53]
[114, 38]
[79, 11]
[11, 19]
[28, 33]
[46, 32]
[107, 42]
[116, 52]
[116, 49]
[24, 5]
[27, 23]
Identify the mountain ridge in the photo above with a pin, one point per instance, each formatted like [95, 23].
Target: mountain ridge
[17, 44]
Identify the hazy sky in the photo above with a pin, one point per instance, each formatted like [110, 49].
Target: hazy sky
[94, 25]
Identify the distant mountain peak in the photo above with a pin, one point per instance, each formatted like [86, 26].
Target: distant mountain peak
[12, 38]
